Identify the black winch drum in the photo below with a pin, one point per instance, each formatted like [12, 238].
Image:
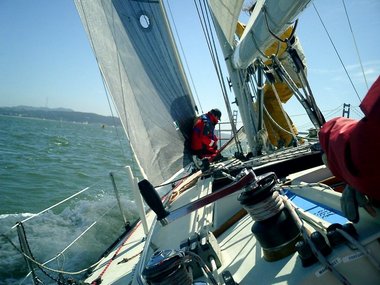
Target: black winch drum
[277, 234]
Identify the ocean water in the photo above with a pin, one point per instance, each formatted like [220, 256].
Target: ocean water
[43, 162]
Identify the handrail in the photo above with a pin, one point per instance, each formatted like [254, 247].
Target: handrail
[224, 130]
[78, 236]
[53, 206]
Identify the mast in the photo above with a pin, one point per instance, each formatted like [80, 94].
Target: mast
[243, 95]
[244, 99]
[269, 19]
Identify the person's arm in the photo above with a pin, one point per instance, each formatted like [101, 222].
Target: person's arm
[208, 138]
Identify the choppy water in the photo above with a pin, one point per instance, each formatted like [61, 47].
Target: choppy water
[43, 162]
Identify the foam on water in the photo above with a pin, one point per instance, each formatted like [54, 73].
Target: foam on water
[50, 233]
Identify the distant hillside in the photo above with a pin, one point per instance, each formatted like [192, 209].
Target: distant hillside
[58, 114]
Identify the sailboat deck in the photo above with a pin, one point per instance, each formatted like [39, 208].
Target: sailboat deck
[184, 227]
[241, 253]
[242, 256]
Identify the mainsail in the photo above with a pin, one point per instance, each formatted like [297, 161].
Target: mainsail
[139, 62]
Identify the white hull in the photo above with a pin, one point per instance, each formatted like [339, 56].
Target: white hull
[241, 253]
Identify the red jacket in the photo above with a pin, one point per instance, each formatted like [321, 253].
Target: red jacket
[353, 147]
[204, 141]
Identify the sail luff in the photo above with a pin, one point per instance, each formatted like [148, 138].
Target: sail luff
[120, 113]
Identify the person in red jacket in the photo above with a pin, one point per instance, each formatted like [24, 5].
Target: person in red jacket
[352, 148]
[203, 140]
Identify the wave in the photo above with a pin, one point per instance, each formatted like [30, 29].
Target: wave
[49, 234]
[44, 162]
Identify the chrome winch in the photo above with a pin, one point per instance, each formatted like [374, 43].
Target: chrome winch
[168, 267]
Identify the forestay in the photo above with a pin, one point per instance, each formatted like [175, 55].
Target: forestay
[139, 62]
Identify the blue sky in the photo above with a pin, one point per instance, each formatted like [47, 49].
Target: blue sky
[46, 60]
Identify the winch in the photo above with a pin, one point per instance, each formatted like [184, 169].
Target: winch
[206, 247]
[168, 267]
[275, 228]
[199, 254]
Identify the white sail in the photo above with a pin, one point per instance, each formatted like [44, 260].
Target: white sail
[140, 65]
[226, 13]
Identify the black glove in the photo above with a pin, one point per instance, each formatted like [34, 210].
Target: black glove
[350, 202]
[218, 157]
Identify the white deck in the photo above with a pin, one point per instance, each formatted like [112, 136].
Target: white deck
[241, 254]
[243, 257]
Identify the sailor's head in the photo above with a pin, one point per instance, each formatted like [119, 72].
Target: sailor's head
[216, 112]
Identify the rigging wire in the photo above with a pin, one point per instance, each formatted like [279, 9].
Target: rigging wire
[357, 111]
[209, 39]
[204, 17]
[337, 110]
[356, 46]
[336, 51]
[42, 266]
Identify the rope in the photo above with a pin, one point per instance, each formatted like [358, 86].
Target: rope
[322, 259]
[116, 253]
[273, 34]
[283, 112]
[360, 247]
[257, 47]
[206, 27]
[32, 259]
[277, 125]
[307, 102]
[266, 208]
[41, 266]
[203, 265]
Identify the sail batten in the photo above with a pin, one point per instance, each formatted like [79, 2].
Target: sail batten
[139, 62]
